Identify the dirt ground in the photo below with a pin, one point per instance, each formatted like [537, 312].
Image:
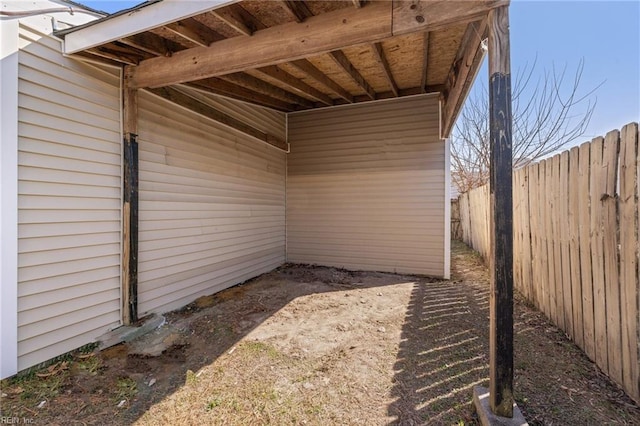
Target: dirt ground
[319, 346]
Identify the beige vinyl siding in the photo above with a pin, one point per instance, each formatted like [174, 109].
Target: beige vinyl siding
[69, 200]
[366, 187]
[211, 203]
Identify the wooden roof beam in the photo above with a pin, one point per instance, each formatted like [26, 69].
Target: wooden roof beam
[462, 72]
[265, 88]
[313, 72]
[186, 101]
[297, 9]
[296, 84]
[224, 88]
[343, 62]
[194, 31]
[425, 62]
[378, 53]
[357, 3]
[233, 18]
[321, 34]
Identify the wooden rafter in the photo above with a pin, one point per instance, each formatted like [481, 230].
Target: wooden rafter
[297, 9]
[194, 31]
[313, 72]
[198, 107]
[425, 62]
[341, 60]
[106, 53]
[357, 3]
[221, 87]
[391, 95]
[460, 76]
[320, 34]
[294, 83]
[378, 53]
[233, 18]
[149, 43]
[265, 88]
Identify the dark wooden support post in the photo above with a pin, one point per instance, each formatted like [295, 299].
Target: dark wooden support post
[130, 203]
[501, 305]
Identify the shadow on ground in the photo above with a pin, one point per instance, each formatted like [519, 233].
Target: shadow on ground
[443, 353]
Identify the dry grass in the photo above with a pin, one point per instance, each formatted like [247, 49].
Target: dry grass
[322, 346]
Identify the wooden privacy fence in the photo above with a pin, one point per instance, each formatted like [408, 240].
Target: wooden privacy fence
[576, 246]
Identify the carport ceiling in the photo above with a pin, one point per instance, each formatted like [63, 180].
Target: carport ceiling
[296, 55]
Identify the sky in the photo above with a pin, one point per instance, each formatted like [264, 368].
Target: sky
[605, 35]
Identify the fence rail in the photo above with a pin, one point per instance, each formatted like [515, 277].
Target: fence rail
[576, 246]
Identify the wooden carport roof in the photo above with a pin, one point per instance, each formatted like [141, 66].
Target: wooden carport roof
[294, 55]
[297, 55]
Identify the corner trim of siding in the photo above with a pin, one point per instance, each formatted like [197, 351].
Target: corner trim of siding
[9, 197]
[446, 273]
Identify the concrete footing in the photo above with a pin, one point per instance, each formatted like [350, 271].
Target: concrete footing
[487, 418]
[128, 333]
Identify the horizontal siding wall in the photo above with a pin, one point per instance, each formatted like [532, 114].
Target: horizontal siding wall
[212, 204]
[366, 187]
[69, 200]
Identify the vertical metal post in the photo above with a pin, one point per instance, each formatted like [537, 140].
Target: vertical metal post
[501, 304]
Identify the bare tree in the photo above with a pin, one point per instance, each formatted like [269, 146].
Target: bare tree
[547, 115]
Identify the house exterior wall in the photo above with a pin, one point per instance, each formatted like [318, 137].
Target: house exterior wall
[211, 202]
[367, 187]
[69, 200]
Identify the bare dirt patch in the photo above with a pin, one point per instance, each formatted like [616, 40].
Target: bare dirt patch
[315, 345]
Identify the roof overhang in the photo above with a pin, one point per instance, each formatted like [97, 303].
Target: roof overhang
[296, 55]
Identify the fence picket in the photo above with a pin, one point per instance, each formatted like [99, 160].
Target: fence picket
[563, 224]
[526, 230]
[610, 252]
[574, 247]
[556, 240]
[586, 270]
[597, 188]
[629, 179]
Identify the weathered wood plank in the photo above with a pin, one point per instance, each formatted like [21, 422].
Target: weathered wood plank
[586, 273]
[420, 15]
[231, 17]
[296, 84]
[563, 199]
[555, 276]
[597, 187]
[574, 247]
[343, 62]
[609, 226]
[536, 225]
[527, 259]
[501, 299]
[546, 254]
[517, 260]
[630, 290]
[261, 86]
[425, 62]
[130, 203]
[313, 72]
[320, 34]
[460, 75]
[378, 53]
